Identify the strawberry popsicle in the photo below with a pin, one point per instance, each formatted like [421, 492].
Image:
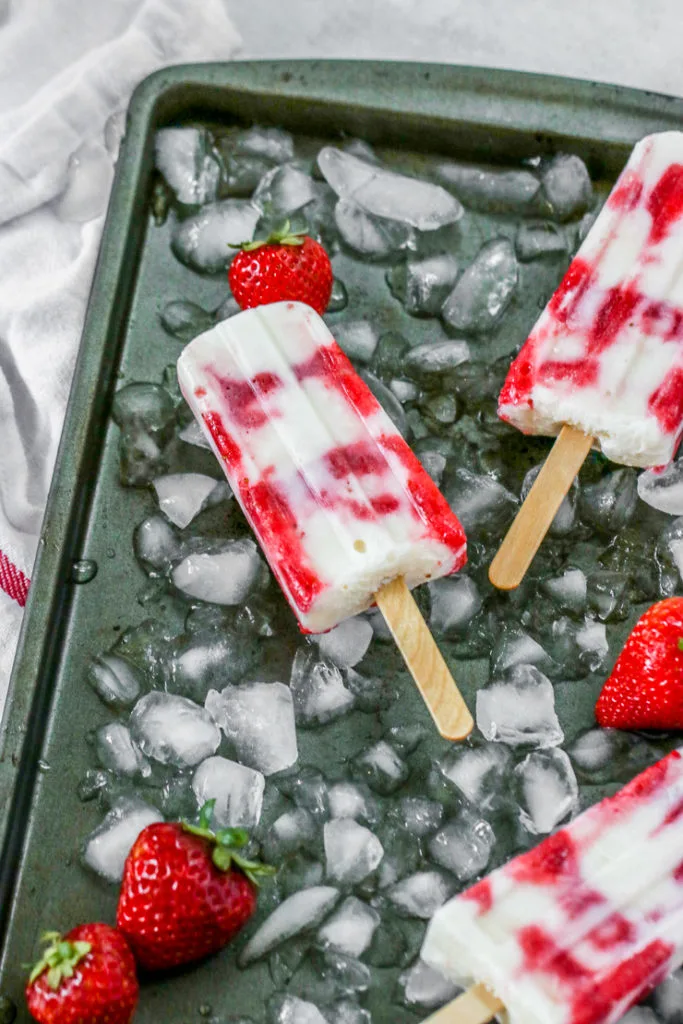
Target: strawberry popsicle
[603, 366]
[339, 503]
[583, 926]
[606, 355]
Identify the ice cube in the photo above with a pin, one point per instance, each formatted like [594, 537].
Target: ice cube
[283, 190]
[358, 338]
[463, 846]
[405, 391]
[662, 488]
[207, 658]
[387, 400]
[671, 546]
[105, 850]
[288, 833]
[345, 1011]
[480, 502]
[238, 792]
[301, 912]
[317, 689]
[420, 895]
[117, 751]
[203, 241]
[381, 768]
[608, 594]
[548, 791]
[289, 1009]
[418, 815]
[455, 602]
[338, 975]
[434, 463]
[427, 361]
[308, 789]
[425, 989]
[668, 999]
[350, 928]
[591, 639]
[194, 435]
[222, 577]
[423, 285]
[565, 517]
[577, 648]
[143, 406]
[173, 730]
[146, 415]
[370, 236]
[187, 161]
[273, 144]
[182, 496]
[567, 186]
[535, 240]
[349, 800]
[514, 646]
[347, 643]
[610, 504]
[258, 719]
[156, 544]
[403, 853]
[184, 320]
[485, 289]
[595, 751]
[519, 709]
[372, 693]
[489, 190]
[352, 852]
[384, 193]
[478, 772]
[339, 299]
[569, 591]
[115, 680]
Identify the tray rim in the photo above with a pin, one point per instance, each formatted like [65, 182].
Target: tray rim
[493, 99]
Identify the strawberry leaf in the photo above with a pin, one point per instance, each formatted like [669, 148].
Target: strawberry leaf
[59, 959]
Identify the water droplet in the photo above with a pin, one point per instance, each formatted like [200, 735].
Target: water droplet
[83, 570]
[111, 553]
[205, 1010]
[43, 766]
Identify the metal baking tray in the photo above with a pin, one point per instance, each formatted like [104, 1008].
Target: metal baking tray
[411, 110]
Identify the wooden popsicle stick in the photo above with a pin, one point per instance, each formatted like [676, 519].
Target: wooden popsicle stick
[533, 520]
[424, 660]
[476, 1006]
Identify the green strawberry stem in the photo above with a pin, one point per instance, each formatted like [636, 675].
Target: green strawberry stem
[281, 236]
[59, 959]
[227, 843]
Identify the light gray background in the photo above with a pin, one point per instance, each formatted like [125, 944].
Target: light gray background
[631, 42]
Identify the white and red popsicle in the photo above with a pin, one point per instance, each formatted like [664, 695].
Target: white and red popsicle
[582, 927]
[603, 365]
[339, 503]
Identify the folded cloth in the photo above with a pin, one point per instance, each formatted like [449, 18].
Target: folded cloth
[67, 70]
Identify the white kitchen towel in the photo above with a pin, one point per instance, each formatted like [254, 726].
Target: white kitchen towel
[67, 71]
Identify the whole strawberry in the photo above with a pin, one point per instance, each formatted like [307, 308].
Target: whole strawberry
[283, 268]
[645, 689]
[186, 891]
[86, 977]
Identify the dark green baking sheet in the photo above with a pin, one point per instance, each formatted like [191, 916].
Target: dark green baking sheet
[464, 112]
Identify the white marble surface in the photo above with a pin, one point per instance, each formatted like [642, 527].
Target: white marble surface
[630, 42]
